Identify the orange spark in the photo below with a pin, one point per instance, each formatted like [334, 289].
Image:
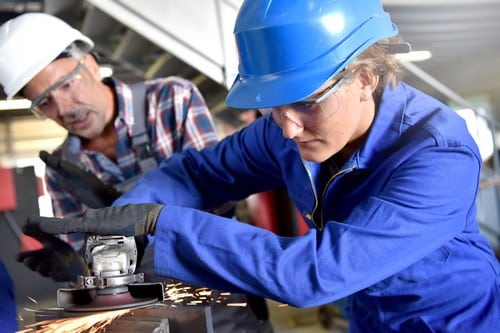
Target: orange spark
[242, 304]
[91, 323]
[178, 293]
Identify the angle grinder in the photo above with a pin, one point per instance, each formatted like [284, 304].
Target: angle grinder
[112, 283]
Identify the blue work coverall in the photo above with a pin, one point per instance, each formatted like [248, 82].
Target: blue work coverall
[8, 311]
[397, 232]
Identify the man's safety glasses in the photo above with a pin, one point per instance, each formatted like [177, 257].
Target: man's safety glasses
[43, 106]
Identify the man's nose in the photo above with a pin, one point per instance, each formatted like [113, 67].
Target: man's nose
[62, 103]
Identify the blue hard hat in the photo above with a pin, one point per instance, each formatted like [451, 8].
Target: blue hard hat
[288, 49]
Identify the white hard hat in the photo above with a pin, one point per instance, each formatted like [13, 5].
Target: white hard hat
[31, 41]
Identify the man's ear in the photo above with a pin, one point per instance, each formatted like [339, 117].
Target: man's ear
[92, 66]
[369, 82]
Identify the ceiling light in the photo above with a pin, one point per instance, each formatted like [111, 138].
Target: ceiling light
[106, 71]
[414, 56]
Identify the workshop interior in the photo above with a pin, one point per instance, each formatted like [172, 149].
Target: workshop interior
[454, 58]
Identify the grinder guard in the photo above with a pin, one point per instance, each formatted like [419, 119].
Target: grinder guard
[112, 283]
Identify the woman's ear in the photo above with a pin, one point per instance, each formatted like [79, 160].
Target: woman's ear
[369, 83]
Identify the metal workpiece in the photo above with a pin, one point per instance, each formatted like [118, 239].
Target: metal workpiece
[157, 318]
[179, 320]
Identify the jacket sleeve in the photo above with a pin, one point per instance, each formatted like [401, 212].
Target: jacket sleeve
[420, 207]
[383, 236]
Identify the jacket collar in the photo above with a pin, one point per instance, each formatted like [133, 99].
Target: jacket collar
[385, 130]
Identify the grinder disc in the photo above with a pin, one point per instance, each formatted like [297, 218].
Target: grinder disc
[106, 302]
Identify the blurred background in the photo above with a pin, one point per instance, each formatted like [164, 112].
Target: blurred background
[455, 59]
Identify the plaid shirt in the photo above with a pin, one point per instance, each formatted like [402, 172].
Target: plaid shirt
[177, 118]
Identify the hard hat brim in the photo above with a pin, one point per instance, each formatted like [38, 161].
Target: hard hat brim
[264, 91]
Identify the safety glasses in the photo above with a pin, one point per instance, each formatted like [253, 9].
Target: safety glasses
[43, 106]
[332, 89]
[308, 104]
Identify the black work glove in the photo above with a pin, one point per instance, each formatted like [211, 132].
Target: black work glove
[82, 184]
[129, 220]
[57, 259]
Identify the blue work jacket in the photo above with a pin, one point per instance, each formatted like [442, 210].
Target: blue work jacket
[8, 310]
[397, 232]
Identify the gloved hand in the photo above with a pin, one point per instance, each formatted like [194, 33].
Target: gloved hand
[82, 184]
[57, 259]
[129, 220]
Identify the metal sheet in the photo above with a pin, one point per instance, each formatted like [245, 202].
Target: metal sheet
[180, 319]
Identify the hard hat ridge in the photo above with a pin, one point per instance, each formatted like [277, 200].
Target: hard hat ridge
[289, 49]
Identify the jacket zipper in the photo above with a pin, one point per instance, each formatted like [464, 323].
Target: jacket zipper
[316, 201]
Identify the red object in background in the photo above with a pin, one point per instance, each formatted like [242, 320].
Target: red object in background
[262, 207]
[39, 184]
[275, 212]
[28, 243]
[302, 226]
[8, 199]
[8, 202]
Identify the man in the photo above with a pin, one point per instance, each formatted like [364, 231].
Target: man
[385, 176]
[51, 64]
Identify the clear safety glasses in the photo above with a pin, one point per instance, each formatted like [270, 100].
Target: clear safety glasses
[43, 105]
[306, 107]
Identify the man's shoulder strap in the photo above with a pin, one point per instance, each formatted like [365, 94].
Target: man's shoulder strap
[140, 138]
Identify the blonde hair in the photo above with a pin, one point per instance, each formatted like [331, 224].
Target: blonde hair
[378, 60]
